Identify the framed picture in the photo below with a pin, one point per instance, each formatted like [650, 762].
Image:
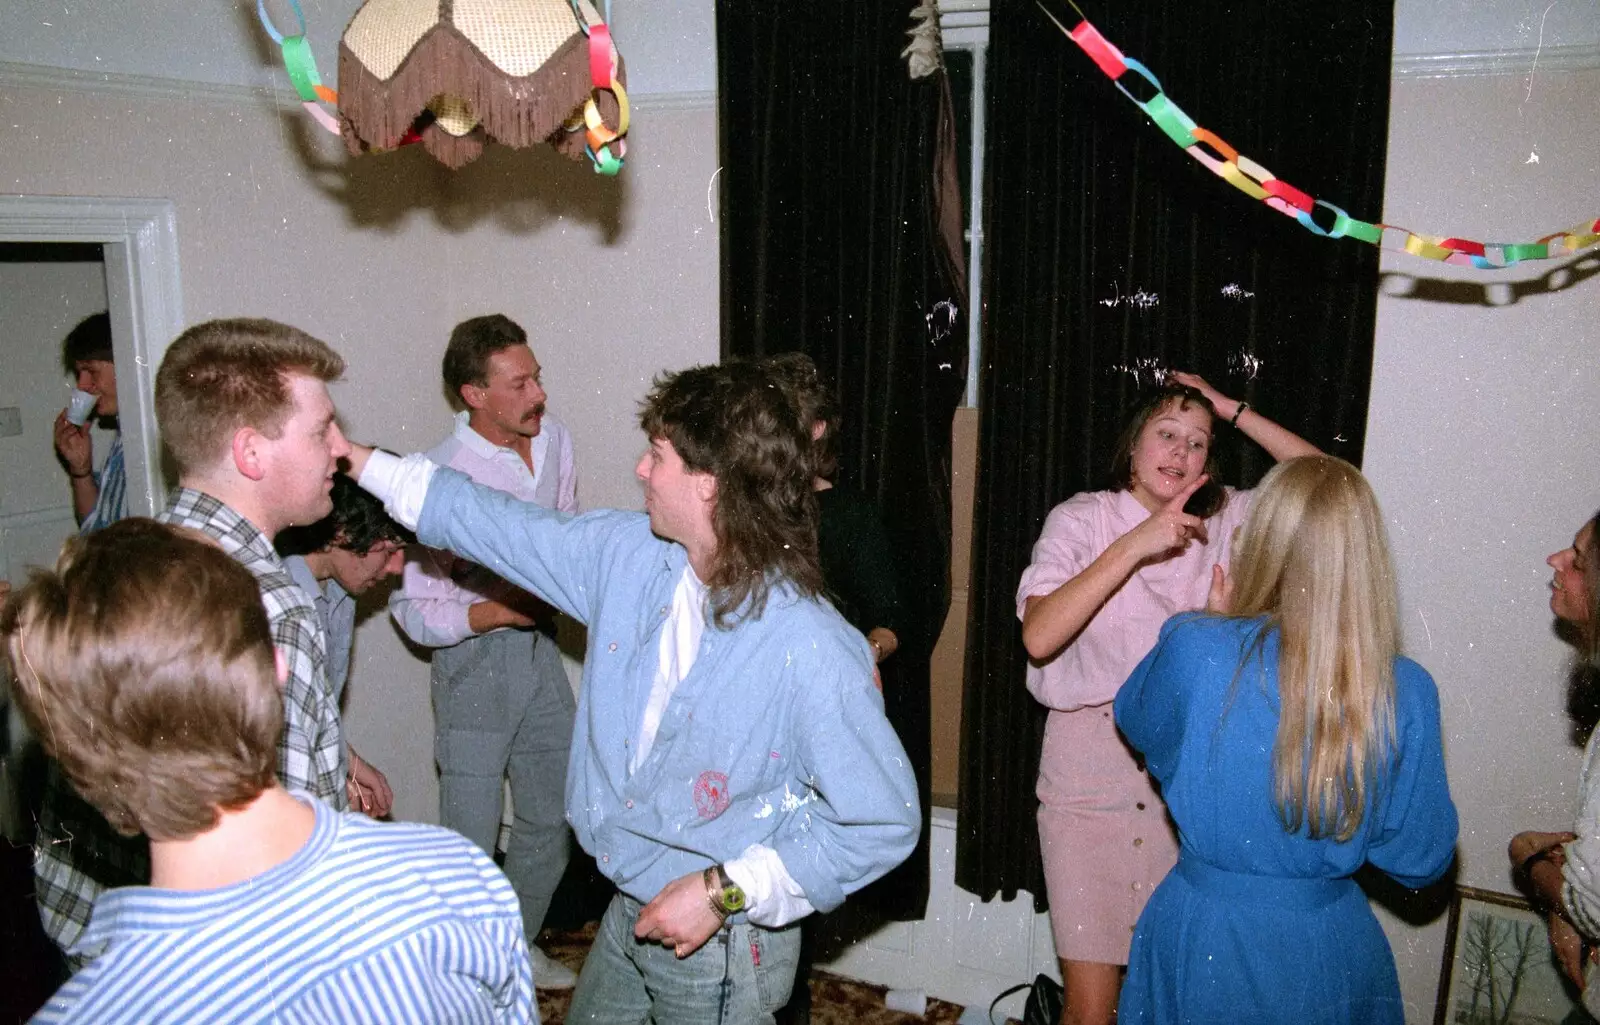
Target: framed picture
[1498, 966]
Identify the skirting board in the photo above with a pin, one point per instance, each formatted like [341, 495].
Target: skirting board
[965, 951]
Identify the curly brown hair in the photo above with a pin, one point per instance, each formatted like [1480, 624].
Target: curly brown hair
[736, 421]
[144, 664]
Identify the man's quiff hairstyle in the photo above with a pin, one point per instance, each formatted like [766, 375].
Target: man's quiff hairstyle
[144, 664]
[223, 375]
[472, 342]
[738, 422]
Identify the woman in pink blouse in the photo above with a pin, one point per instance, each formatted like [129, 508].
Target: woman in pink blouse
[1108, 569]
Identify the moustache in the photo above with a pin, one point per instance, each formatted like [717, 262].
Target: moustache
[533, 414]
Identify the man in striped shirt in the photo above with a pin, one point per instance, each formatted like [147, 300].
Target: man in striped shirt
[146, 665]
[98, 498]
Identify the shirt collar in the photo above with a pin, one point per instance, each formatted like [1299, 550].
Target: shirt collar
[130, 909]
[191, 507]
[300, 570]
[483, 448]
[1129, 510]
[476, 443]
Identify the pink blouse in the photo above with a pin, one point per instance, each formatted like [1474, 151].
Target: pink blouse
[1091, 669]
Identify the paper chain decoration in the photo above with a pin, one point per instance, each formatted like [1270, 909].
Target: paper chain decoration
[606, 146]
[1257, 182]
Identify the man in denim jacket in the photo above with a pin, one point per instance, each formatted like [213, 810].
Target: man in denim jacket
[732, 770]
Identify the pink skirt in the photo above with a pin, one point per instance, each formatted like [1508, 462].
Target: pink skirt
[1104, 834]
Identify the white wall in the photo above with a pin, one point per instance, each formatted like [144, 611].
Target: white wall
[1481, 444]
[614, 279]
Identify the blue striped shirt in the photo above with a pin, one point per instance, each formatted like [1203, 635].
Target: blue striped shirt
[369, 922]
[112, 505]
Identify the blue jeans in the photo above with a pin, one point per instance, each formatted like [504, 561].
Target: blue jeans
[739, 977]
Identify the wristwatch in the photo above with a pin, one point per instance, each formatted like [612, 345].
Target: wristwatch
[723, 894]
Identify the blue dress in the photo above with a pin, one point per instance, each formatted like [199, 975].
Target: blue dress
[1256, 924]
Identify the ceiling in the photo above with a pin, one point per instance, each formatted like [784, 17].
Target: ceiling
[670, 45]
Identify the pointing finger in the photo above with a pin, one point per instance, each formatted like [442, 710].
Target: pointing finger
[1182, 497]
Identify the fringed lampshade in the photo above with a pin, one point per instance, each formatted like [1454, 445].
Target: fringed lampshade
[462, 72]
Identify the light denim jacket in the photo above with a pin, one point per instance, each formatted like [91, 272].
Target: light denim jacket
[777, 736]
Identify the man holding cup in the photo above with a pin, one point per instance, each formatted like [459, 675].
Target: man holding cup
[98, 499]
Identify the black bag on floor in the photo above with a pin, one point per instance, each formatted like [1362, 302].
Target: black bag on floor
[1045, 997]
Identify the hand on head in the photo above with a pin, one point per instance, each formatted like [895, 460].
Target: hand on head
[1217, 399]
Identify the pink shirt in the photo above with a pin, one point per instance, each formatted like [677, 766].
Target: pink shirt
[438, 589]
[1091, 669]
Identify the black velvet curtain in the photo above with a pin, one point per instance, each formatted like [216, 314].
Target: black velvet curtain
[831, 246]
[1109, 251]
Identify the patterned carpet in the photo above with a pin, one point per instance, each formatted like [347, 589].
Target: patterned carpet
[834, 1001]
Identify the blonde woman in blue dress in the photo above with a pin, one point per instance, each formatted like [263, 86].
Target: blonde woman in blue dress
[1293, 744]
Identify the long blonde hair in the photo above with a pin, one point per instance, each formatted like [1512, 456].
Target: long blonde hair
[1314, 560]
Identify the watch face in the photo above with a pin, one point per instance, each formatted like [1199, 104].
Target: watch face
[732, 899]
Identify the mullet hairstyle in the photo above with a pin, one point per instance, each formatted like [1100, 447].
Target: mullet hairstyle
[1204, 503]
[472, 342]
[814, 403]
[736, 422]
[223, 375]
[144, 664]
[1314, 560]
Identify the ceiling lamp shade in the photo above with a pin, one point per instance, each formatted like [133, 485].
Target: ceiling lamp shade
[455, 74]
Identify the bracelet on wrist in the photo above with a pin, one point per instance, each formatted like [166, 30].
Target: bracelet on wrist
[1237, 413]
[713, 881]
[80, 476]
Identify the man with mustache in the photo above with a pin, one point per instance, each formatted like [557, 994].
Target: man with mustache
[502, 705]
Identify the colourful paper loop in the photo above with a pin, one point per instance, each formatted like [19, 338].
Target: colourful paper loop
[322, 117]
[1172, 120]
[600, 67]
[1234, 175]
[1108, 57]
[302, 67]
[1144, 73]
[1259, 183]
[1362, 230]
[604, 161]
[1289, 194]
[272, 30]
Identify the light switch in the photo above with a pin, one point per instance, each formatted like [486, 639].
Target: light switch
[10, 421]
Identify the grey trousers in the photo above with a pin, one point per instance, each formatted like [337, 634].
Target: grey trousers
[502, 707]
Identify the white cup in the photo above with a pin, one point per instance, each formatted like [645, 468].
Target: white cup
[80, 405]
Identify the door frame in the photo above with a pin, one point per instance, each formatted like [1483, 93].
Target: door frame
[140, 242]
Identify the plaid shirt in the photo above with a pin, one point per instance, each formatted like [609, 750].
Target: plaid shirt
[77, 855]
[311, 753]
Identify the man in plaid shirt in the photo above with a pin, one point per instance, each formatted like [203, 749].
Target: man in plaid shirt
[244, 409]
